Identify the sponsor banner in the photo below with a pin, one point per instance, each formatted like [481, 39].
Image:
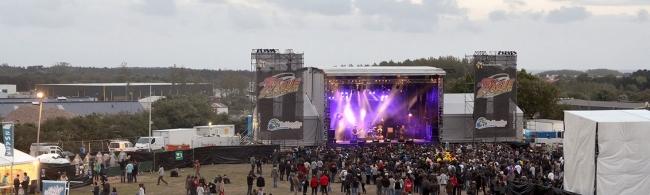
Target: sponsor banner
[495, 85]
[482, 123]
[51, 187]
[275, 124]
[495, 93]
[279, 85]
[8, 135]
[280, 105]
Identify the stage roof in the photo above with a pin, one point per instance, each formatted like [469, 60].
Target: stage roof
[383, 71]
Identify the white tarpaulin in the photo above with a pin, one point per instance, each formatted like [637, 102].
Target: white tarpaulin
[622, 165]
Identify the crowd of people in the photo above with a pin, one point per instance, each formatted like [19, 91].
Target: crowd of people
[412, 169]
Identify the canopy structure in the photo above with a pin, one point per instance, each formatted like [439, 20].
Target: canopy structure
[607, 152]
[22, 163]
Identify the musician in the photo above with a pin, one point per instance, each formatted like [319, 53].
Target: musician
[355, 134]
[380, 131]
[401, 131]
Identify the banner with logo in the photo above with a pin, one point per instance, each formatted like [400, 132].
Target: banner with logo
[495, 93]
[280, 105]
[8, 137]
[51, 187]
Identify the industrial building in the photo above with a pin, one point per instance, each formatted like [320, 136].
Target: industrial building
[123, 91]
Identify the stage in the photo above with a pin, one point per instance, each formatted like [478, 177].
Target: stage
[383, 104]
[394, 141]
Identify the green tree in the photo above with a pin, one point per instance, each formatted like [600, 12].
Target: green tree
[536, 97]
[182, 111]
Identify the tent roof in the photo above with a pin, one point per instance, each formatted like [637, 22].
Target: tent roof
[19, 157]
[605, 116]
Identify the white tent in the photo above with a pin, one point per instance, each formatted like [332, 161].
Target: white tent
[607, 152]
[22, 162]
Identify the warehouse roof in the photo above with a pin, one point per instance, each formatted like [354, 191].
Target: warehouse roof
[118, 84]
[27, 112]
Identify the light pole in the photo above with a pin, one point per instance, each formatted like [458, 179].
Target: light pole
[40, 96]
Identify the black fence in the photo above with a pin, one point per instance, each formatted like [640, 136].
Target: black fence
[205, 155]
[521, 188]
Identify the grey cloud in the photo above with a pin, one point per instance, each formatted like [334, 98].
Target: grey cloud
[327, 7]
[157, 7]
[498, 15]
[407, 17]
[608, 2]
[245, 18]
[33, 13]
[567, 14]
[642, 16]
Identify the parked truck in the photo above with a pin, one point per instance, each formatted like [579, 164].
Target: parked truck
[187, 138]
[166, 137]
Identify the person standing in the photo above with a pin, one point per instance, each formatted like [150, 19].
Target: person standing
[249, 181]
[221, 187]
[188, 185]
[82, 151]
[95, 189]
[275, 175]
[354, 183]
[258, 163]
[305, 185]
[260, 184]
[161, 173]
[295, 183]
[324, 183]
[17, 184]
[141, 189]
[197, 168]
[200, 190]
[442, 180]
[129, 172]
[136, 169]
[25, 183]
[282, 170]
[123, 171]
[106, 188]
[313, 183]
[5, 182]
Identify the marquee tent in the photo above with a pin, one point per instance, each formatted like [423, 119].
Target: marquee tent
[22, 162]
[607, 152]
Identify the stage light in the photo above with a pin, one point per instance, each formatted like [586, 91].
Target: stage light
[410, 115]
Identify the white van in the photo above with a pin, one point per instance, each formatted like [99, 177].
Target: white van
[120, 145]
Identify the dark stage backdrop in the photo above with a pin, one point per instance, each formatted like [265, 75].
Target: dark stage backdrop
[279, 105]
[495, 94]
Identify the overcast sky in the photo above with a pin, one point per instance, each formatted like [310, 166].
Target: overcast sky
[548, 34]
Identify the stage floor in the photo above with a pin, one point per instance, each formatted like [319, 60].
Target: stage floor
[394, 141]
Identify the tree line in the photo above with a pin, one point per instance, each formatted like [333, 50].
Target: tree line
[172, 112]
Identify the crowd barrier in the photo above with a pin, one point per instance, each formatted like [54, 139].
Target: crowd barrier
[205, 155]
[519, 187]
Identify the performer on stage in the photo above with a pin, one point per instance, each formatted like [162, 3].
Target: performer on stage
[402, 131]
[380, 132]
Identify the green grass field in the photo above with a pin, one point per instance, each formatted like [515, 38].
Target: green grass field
[236, 173]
